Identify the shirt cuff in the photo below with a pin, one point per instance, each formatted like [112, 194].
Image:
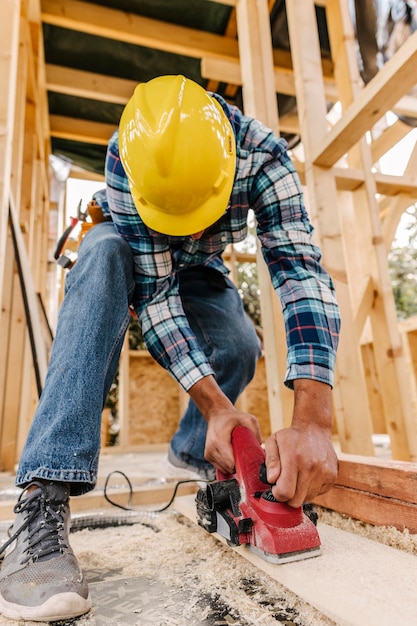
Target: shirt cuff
[310, 361]
[187, 373]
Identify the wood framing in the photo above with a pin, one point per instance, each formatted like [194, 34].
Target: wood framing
[354, 207]
[24, 195]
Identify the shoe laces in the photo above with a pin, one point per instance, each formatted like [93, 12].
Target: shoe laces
[44, 521]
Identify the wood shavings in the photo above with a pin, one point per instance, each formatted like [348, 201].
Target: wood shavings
[389, 536]
[211, 575]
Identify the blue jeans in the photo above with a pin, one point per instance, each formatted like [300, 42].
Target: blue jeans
[63, 443]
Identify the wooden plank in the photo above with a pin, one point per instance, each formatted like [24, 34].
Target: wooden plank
[6, 314]
[143, 495]
[384, 477]
[91, 85]
[391, 83]
[228, 71]
[136, 29]
[370, 508]
[355, 581]
[17, 338]
[350, 179]
[378, 491]
[9, 35]
[388, 139]
[85, 131]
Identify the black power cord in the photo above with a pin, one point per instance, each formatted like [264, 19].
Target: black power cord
[129, 506]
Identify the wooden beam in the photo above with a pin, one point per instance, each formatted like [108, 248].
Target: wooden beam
[228, 71]
[85, 131]
[399, 205]
[406, 106]
[77, 172]
[231, 3]
[352, 414]
[91, 85]
[142, 495]
[260, 101]
[391, 83]
[136, 29]
[365, 301]
[350, 179]
[377, 491]
[107, 89]
[9, 54]
[388, 139]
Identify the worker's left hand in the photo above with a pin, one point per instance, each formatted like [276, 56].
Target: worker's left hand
[301, 461]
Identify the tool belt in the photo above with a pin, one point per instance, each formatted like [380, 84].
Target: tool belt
[66, 249]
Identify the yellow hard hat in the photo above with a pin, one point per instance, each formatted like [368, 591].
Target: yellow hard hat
[179, 153]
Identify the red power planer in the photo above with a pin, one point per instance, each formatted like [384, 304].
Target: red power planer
[242, 509]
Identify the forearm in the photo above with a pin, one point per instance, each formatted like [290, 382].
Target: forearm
[209, 398]
[312, 405]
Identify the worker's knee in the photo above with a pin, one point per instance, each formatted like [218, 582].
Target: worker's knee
[242, 348]
[103, 246]
[104, 264]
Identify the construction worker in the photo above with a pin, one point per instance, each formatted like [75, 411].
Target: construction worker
[182, 172]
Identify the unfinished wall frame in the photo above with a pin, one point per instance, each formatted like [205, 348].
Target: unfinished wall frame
[354, 208]
[24, 197]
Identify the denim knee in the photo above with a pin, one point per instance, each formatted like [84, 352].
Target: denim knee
[104, 260]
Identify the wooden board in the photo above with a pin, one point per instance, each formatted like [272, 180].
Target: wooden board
[143, 495]
[385, 477]
[377, 491]
[354, 582]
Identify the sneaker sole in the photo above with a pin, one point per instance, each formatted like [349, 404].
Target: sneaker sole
[59, 607]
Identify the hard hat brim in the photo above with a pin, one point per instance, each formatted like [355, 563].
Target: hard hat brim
[190, 222]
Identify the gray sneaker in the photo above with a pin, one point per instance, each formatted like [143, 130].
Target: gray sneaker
[40, 579]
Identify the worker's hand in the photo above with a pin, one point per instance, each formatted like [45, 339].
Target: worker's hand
[222, 417]
[219, 450]
[301, 461]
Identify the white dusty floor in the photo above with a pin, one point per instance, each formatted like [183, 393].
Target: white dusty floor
[165, 571]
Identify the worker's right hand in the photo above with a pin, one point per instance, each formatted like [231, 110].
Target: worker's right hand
[219, 450]
[222, 417]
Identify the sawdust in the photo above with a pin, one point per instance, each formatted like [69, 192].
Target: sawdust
[388, 535]
[185, 557]
[170, 549]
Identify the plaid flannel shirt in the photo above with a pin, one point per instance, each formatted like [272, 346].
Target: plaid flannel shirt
[266, 182]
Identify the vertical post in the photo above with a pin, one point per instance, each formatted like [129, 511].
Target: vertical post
[396, 390]
[352, 411]
[9, 53]
[260, 101]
